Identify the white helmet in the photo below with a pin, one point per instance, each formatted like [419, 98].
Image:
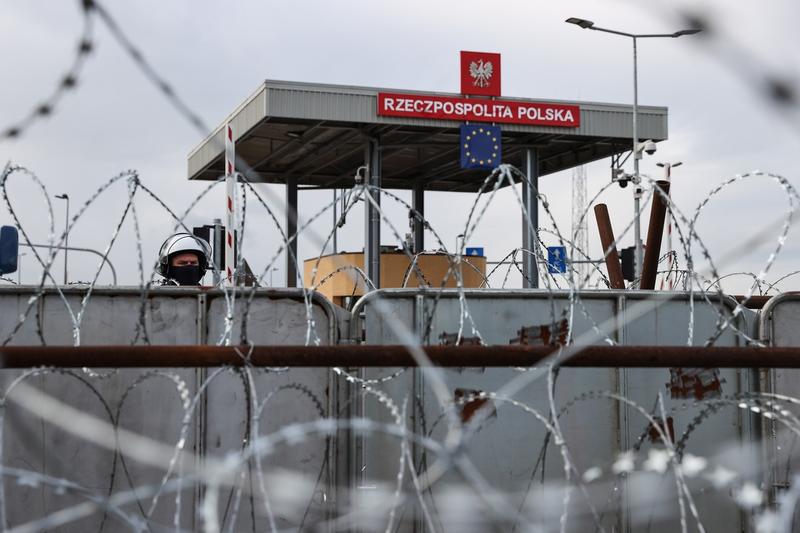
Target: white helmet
[182, 243]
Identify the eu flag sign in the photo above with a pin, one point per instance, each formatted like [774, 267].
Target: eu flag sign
[480, 146]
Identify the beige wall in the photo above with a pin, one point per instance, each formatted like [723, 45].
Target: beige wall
[349, 282]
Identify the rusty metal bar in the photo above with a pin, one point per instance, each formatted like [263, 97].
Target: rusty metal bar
[607, 241]
[655, 232]
[754, 302]
[393, 356]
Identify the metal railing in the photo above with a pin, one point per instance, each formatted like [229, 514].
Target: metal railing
[76, 249]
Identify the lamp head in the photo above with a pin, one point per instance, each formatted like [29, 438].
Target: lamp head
[686, 32]
[583, 23]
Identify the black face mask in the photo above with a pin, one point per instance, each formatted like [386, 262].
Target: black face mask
[185, 275]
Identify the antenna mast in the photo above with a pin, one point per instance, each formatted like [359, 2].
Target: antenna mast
[580, 234]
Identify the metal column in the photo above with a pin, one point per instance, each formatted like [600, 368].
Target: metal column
[418, 204]
[372, 218]
[530, 227]
[291, 229]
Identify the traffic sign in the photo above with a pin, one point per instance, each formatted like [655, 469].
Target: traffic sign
[556, 259]
[475, 251]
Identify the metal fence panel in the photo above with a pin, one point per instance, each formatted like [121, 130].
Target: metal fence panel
[778, 321]
[152, 403]
[511, 449]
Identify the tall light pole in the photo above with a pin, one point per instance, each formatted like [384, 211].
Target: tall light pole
[668, 177]
[65, 196]
[637, 154]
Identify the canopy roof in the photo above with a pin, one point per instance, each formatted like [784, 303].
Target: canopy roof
[318, 133]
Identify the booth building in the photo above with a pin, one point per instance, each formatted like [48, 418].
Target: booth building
[316, 136]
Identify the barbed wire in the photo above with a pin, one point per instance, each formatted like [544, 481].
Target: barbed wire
[356, 452]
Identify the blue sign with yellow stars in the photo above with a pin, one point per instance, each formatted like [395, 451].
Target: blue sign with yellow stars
[480, 146]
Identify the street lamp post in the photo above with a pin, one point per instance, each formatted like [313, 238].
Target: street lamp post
[65, 196]
[637, 154]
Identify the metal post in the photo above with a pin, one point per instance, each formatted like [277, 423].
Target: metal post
[218, 251]
[291, 229]
[668, 178]
[418, 204]
[372, 218]
[65, 197]
[530, 225]
[66, 239]
[335, 225]
[637, 189]
[655, 231]
[609, 246]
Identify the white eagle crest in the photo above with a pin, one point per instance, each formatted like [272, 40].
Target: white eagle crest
[481, 72]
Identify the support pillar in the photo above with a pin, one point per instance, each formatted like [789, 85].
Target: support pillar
[291, 229]
[372, 218]
[530, 228]
[418, 204]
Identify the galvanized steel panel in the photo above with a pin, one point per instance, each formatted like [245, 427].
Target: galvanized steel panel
[505, 449]
[275, 321]
[153, 408]
[778, 326]
[151, 403]
[512, 447]
[358, 104]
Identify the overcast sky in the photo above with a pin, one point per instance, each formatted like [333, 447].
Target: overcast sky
[216, 53]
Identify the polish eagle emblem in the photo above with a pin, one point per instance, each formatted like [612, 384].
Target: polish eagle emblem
[481, 72]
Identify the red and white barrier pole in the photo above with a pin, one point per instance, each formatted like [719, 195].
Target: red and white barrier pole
[230, 193]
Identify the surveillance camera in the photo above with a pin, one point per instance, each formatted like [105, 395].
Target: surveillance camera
[618, 175]
[362, 174]
[650, 147]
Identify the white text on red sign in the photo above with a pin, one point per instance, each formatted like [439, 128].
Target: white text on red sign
[471, 109]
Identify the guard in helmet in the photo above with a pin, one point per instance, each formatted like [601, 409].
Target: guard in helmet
[183, 259]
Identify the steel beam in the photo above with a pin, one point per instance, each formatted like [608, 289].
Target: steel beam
[372, 218]
[291, 229]
[609, 245]
[600, 356]
[418, 204]
[530, 219]
[285, 148]
[655, 232]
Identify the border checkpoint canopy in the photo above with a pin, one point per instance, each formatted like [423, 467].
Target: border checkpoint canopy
[316, 134]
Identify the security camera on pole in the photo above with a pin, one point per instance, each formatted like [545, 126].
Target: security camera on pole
[637, 147]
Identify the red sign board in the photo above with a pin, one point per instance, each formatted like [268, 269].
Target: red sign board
[478, 110]
[480, 73]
